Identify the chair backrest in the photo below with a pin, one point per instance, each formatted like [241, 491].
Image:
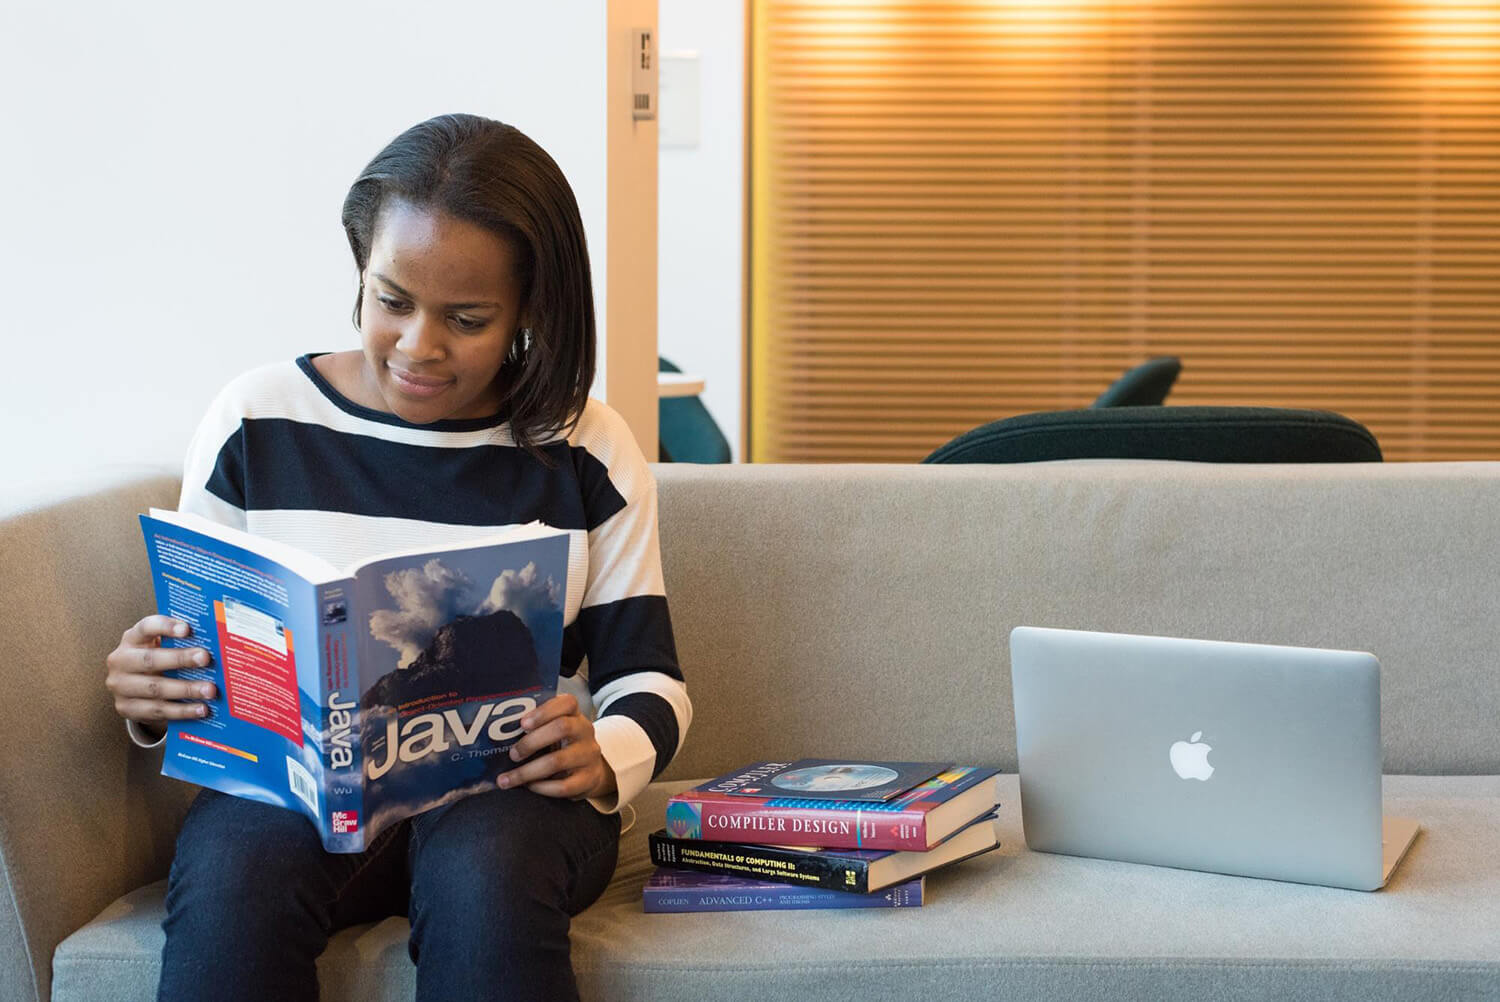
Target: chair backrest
[687, 432]
[1202, 434]
[1146, 385]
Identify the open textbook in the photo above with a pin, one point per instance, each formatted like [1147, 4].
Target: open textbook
[358, 696]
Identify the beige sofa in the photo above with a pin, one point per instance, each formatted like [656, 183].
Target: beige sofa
[864, 611]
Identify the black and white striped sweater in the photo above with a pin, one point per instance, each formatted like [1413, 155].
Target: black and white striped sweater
[282, 454]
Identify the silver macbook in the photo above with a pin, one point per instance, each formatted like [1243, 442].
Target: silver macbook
[1235, 758]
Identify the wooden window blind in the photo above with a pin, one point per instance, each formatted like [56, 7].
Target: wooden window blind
[964, 211]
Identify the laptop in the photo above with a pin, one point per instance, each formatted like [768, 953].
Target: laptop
[1248, 759]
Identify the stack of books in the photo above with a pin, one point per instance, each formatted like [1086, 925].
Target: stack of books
[819, 833]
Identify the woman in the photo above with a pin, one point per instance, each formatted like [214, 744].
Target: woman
[465, 410]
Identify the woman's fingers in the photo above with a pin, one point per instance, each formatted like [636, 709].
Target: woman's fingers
[150, 686]
[564, 705]
[567, 757]
[158, 709]
[567, 771]
[562, 729]
[134, 676]
[572, 768]
[127, 660]
[148, 631]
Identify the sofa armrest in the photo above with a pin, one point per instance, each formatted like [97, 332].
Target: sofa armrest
[85, 816]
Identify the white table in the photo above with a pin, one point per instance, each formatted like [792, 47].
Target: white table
[678, 384]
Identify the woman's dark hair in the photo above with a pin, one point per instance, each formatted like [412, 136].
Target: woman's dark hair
[491, 174]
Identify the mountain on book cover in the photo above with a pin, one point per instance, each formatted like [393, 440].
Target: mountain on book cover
[463, 656]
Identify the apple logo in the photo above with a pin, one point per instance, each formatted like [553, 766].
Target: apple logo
[1190, 760]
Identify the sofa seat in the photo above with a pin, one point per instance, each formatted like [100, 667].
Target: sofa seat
[1012, 924]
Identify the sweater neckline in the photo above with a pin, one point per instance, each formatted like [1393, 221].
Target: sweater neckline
[343, 403]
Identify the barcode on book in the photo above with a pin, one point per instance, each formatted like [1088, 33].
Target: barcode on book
[301, 783]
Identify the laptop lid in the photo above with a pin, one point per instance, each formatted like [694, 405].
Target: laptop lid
[1249, 759]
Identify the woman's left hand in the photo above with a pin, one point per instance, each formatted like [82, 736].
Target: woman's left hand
[575, 768]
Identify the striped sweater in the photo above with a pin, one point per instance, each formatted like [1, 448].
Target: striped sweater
[282, 454]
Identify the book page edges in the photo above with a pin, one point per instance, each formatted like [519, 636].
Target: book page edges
[312, 569]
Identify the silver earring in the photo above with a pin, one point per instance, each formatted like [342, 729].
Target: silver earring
[521, 345]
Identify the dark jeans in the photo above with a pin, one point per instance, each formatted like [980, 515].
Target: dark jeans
[490, 883]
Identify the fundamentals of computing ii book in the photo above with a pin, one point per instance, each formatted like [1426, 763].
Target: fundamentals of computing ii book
[916, 819]
[360, 695]
[851, 871]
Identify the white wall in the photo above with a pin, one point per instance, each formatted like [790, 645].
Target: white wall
[700, 230]
[174, 174]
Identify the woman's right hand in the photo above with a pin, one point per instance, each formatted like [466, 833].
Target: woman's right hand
[135, 676]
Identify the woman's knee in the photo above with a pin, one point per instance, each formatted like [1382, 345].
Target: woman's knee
[495, 850]
[512, 856]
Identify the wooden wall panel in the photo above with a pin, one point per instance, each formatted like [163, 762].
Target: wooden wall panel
[962, 211]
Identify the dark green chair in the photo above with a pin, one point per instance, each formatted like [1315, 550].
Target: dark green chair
[1201, 434]
[687, 432]
[1145, 385]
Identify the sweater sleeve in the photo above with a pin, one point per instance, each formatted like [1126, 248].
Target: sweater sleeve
[642, 710]
[213, 474]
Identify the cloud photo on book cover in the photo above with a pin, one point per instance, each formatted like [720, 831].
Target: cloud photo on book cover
[435, 594]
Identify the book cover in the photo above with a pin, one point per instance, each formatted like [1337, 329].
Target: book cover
[915, 820]
[671, 890]
[360, 696]
[849, 871]
[829, 779]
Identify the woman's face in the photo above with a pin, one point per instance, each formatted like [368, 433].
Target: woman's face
[441, 307]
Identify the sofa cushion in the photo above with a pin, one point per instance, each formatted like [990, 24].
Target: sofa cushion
[1011, 924]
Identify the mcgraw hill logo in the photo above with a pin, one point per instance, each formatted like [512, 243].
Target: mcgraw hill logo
[345, 822]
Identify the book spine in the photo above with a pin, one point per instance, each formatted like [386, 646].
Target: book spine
[343, 819]
[740, 820]
[755, 896]
[763, 862]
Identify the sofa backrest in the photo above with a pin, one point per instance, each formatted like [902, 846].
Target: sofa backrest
[865, 611]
